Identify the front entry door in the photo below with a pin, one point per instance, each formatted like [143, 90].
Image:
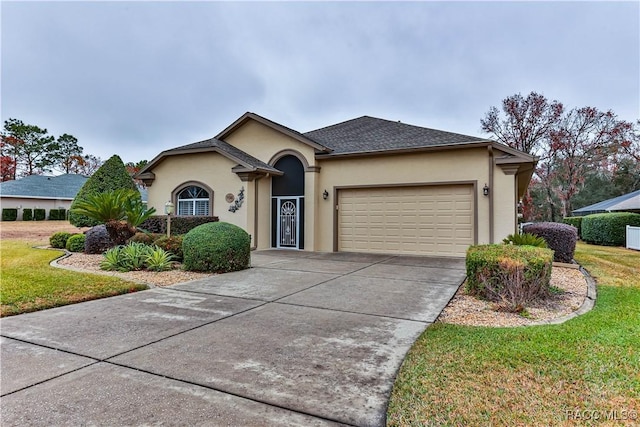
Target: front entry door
[288, 222]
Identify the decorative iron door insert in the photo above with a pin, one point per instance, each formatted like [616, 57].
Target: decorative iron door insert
[288, 223]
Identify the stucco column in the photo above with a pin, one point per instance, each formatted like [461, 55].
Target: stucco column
[311, 195]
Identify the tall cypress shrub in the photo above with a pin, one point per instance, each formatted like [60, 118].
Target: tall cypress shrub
[112, 175]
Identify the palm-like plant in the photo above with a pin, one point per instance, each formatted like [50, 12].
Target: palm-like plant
[121, 211]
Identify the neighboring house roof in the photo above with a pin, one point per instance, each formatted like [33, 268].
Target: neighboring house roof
[60, 187]
[626, 202]
[369, 134]
[44, 187]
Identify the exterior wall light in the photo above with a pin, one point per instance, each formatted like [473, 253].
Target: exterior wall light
[485, 190]
[325, 195]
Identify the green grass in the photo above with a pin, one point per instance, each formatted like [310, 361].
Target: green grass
[456, 375]
[29, 283]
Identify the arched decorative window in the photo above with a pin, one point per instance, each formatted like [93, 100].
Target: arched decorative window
[193, 200]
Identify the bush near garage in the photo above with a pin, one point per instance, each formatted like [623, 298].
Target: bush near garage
[59, 240]
[75, 243]
[179, 224]
[98, 240]
[9, 214]
[608, 229]
[27, 214]
[510, 275]
[561, 238]
[216, 247]
[576, 221]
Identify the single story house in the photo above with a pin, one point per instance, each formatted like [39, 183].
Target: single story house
[629, 202]
[363, 185]
[44, 192]
[39, 191]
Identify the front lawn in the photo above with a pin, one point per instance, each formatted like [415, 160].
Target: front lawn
[29, 283]
[585, 371]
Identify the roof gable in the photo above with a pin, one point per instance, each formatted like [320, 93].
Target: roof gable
[273, 125]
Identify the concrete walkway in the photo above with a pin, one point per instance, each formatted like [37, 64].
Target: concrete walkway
[300, 339]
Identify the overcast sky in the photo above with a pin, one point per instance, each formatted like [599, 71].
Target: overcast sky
[136, 78]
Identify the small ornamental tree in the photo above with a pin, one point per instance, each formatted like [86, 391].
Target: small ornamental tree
[112, 175]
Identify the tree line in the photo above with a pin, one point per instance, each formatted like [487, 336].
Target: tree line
[29, 150]
[585, 155]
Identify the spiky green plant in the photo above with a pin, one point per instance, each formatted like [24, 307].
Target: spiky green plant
[525, 239]
[158, 260]
[111, 260]
[121, 211]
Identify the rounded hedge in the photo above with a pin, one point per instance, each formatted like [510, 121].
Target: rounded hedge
[216, 247]
[75, 243]
[608, 229]
[98, 240]
[560, 238]
[59, 240]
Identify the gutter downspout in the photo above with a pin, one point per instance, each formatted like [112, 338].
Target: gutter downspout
[491, 193]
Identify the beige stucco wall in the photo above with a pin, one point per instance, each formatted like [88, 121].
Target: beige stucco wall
[22, 203]
[505, 208]
[211, 169]
[263, 142]
[471, 165]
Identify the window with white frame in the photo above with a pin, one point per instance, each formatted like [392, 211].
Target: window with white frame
[193, 200]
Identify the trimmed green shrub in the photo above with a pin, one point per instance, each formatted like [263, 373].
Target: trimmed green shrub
[59, 214]
[112, 175]
[179, 224]
[59, 240]
[510, 275]
[27, 214]
[75, 243]
[576, 221]
[217, 247]
[608, 229]
[146, 238]
[39, 214]
[560, 238]
[171, 244]
[98, 240]
[9, 214]
[525, 239]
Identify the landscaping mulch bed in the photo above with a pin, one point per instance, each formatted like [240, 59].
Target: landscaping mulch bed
[468, 310]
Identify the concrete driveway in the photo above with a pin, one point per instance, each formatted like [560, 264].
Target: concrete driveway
[300, 339]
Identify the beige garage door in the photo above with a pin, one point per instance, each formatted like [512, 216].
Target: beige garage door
[425, 220]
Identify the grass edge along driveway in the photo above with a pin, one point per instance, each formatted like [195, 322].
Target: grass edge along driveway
[583, 372]
[28, 283]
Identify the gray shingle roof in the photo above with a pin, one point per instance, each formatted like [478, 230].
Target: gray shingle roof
[626, 202]
[225, 148]
[39, 186]
[369, 134]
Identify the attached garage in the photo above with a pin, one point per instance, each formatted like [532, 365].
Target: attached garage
[413, 220]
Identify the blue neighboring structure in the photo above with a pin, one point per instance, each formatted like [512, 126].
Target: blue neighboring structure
[629, 202]
[45, 192]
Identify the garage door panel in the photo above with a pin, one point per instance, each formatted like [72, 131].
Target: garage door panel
[426, 220]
